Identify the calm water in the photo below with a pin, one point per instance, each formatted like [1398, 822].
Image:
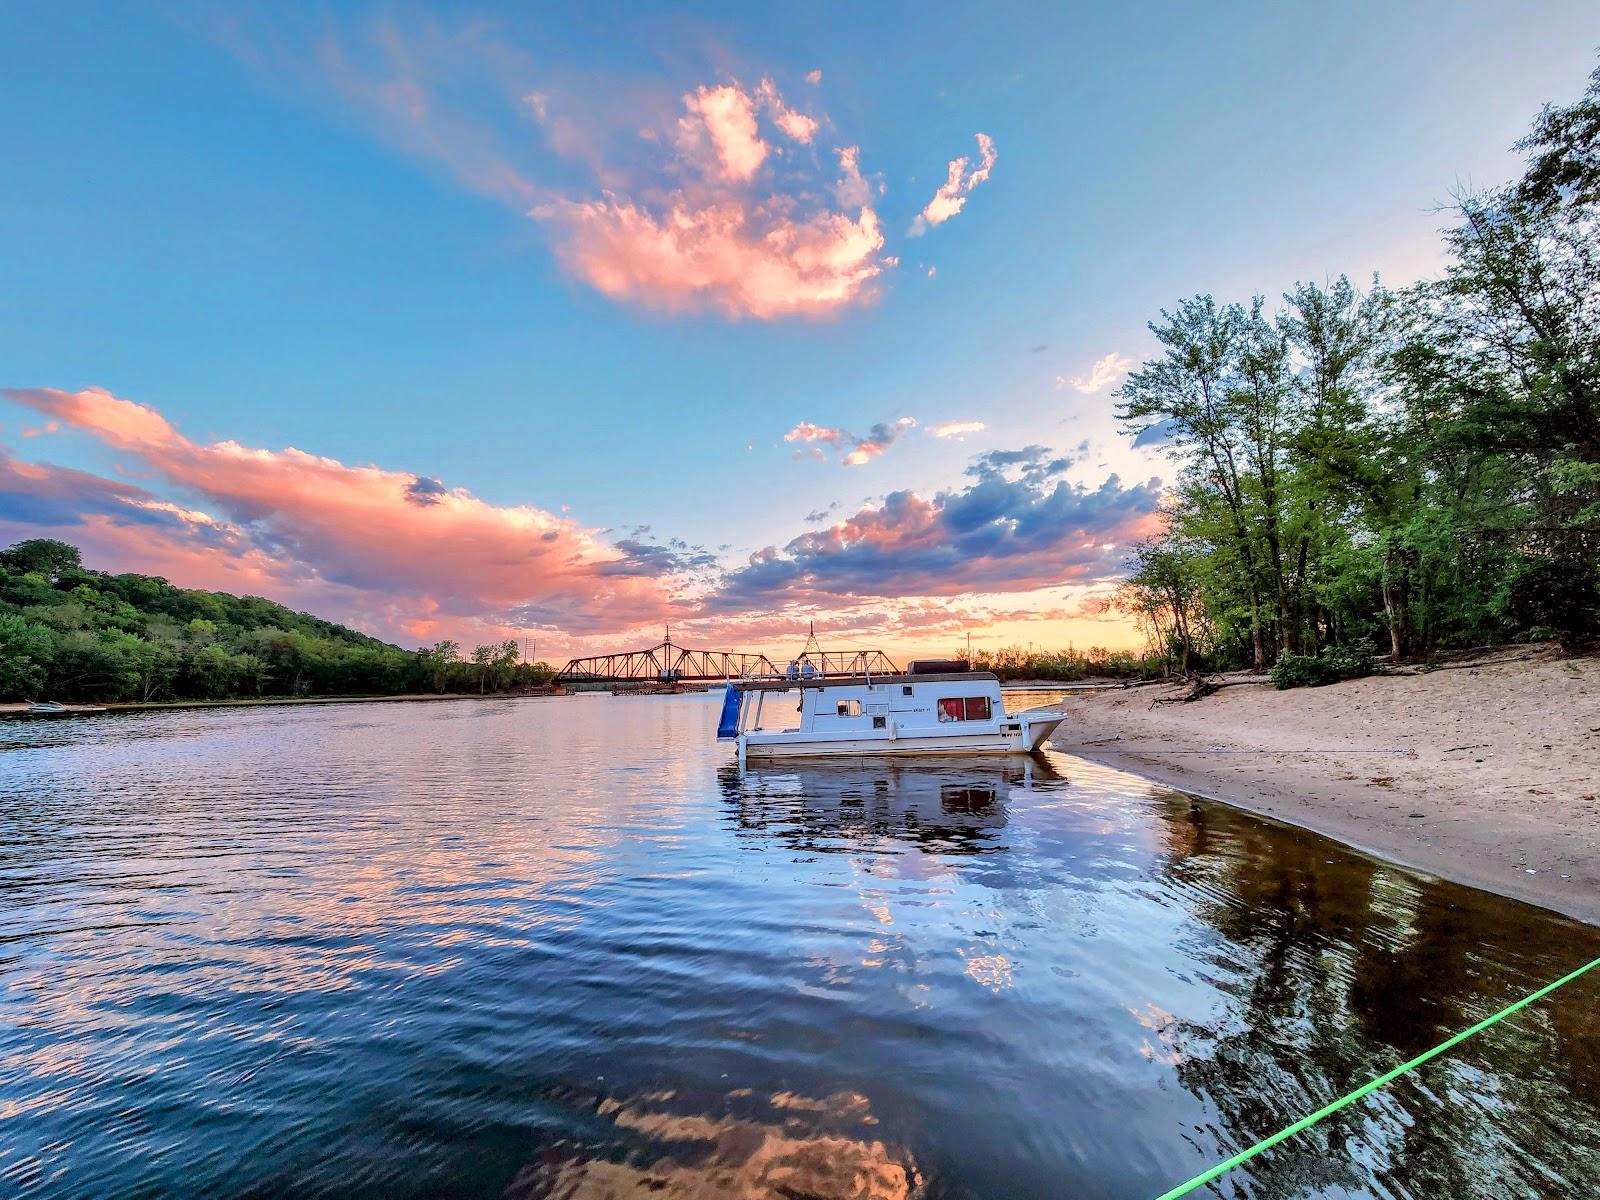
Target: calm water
[559, 947]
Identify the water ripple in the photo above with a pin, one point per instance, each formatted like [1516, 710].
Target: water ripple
[563, 948]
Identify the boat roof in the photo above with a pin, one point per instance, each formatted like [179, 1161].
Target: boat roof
[827, 681]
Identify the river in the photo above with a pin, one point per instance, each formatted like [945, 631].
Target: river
[560, 947]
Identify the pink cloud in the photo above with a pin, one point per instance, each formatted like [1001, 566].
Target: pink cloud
[952, 194]
[686, 213]
[380, 532]
[856, 451]
[806, 431]
[797, 125]
[743, 260]
[876, 442]
[725, 118]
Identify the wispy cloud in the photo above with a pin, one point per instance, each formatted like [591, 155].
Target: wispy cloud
[854, 451]
[956, 429]
[953, 192]
[1105, 372]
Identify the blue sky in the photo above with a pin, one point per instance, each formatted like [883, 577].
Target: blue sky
[287, 227]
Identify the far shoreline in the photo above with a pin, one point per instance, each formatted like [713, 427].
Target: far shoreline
[20, 708]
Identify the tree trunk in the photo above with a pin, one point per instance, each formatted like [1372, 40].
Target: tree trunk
[1397, 598]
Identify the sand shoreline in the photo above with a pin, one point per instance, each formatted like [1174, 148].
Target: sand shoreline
[1486, 776]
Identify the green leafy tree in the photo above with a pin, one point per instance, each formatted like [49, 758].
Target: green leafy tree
[26, 653]
[42, 556]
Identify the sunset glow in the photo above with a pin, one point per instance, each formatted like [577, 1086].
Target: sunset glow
[520, 331]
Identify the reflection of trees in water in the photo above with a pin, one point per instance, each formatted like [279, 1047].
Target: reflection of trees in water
[781, 1147]
[1338, 969]
[952, 806]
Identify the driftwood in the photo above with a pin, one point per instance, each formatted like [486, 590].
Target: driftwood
[1471, 663]
[1201, 686]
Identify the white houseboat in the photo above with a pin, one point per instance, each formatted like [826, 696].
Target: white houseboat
[954, 712]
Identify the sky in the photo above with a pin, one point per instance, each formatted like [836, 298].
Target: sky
[485, 321]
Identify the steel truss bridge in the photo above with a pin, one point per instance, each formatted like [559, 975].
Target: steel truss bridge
[667, 662]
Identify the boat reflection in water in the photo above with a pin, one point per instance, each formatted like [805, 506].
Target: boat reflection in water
[946, 806]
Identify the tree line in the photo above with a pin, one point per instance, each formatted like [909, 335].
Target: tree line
[70, 633]
[1372, 471]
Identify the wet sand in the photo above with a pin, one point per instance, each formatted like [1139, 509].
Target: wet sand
[1489, 775]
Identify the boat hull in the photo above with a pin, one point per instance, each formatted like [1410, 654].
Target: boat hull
[1029, 738]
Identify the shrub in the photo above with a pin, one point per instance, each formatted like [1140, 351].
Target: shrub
[1298, 670]
[1349, 661]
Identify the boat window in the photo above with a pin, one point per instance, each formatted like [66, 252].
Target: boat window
[964, 708]
[880, 722]
[905, 690]
[849, 708]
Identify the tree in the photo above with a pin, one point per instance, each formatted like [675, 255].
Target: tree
[42, 556]
[26, 652]
[1189, 392]
[435, 663]
[1164, 594]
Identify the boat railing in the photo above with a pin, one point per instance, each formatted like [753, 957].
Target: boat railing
[805, 677]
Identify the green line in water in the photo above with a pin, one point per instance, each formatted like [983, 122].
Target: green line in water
[1205, 1177]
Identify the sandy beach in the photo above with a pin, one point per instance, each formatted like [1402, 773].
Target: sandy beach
[1488, 775]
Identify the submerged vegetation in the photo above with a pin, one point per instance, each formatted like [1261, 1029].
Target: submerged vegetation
[70, 633]
[1415, 469]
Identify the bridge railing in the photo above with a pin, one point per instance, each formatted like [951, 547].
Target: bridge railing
[670, 663]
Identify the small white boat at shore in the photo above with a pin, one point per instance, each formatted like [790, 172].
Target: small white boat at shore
[955, 712]
[49, 708]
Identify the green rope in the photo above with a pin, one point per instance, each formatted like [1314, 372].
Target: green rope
[1205, 1177]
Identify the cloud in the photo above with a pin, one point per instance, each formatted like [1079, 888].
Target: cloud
[956, 429]
[738, 259]
[423, 490]
[725, 118]
[399, 538]
[797, 125]
[654, 560]
[878, 439]
[685, 212]
[1105, 372]
[856, 451]
[1158, 434]
[953, 192]
[1034, 464]
[815, 76]
[852, 190]
[806, 431]
[1011, 529]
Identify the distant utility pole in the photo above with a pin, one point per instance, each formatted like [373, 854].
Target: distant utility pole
[969, 645]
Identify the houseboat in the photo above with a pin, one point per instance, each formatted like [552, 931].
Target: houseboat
[809, 715]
